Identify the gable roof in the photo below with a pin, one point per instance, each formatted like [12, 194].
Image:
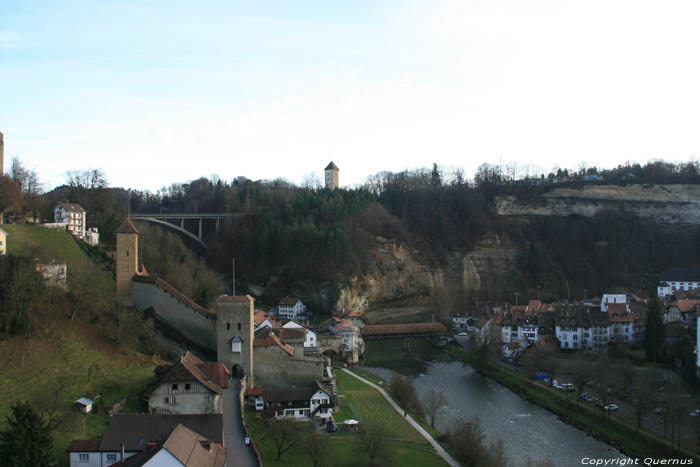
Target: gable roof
[194, 450]
[127, 227]
[289, 301]
[686, 305]
[266, 338]
[213, 376]
[331, 166]
[84, 445]
[135, 431]
[70, 207]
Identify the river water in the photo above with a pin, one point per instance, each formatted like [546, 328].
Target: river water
[528, 431]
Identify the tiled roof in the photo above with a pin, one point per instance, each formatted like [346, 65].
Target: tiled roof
[266, 338]
[288, 301]
[127, 227]
[259, 317]
[194, 450]
[415, 328]
[71, 207]
[182, 297]
[237, 298]
[84, 445]
[213, 376]
[292, 334]
[133, 429]
[686, 305]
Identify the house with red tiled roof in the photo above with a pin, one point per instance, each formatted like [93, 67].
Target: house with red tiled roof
[682, 310]
[191, 386]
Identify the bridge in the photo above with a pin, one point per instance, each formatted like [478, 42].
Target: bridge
[398, 331]
[167, 219]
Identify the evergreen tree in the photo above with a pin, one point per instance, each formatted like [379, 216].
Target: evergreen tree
[654, 331]
[26, 439]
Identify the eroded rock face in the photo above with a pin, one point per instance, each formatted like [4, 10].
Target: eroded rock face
[665, 204]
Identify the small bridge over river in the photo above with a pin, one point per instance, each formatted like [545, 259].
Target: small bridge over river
[177, 221]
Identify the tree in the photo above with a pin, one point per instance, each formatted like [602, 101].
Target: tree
[374, 445]
[283, 434]
[26, 439]
[405, 394]
[466, 439]
[643, 398]
[316, 446]
[433, 402]
[435, 178]
[654, 330]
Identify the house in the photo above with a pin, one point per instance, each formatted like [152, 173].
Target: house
[183, 447]
[3, 242]
[350, 335]
[582, 327]
[83, 404]
[73, 216]
[131, 434]
[621, 323]
[682, 310]
[678, 279]
[460, 321]
[612, 299]
[92, 236]
[311, 402]
[189, 387]
[310, 341]
[262, 320]
[290, 308]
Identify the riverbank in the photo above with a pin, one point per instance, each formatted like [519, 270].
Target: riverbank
[610, 429]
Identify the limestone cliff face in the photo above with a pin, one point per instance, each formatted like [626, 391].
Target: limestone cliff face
[666, 204]
[402, 281]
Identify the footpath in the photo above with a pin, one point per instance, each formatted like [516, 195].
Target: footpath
[439, 449]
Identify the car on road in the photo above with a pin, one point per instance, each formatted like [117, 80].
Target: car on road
[611, 407]
[659, 410]
[695, 413]
[462, 334]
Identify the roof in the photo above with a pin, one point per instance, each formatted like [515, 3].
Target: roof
[294, 393]
[331, 166]
[289, 301]
[290, 334]
[3, 231]
[237, 298]
[127, 227]
[83, 401]
[681, 275]
[267, 339]
[415, 328]
[194, 450]
[686, 305]
[71, 207]
[213, 376]
[258, 317]
[136, 430]
[84, 445]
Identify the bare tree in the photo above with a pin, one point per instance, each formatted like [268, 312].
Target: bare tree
[433, 402]
[643, 399]
[466, 439]
[375, 447]
[316, 446]
[282, 433]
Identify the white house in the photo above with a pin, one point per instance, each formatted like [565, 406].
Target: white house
[3, 242]
[290, 308]
[612, 298]
[310, 342]
[678, 279]
[314, 402]
[73, 215]
[134, 435]
[582, 328]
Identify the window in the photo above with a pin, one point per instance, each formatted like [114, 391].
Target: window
[236, 344]
[111, 457]
[83, 458]
[239, 326]
[187, 386]
[175, 387]
[228, 326]
[127, 252]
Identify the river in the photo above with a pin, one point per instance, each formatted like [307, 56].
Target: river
[528, 431]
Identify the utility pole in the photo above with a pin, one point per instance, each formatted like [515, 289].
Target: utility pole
[538, 291]
[516, 297]
[233, 268]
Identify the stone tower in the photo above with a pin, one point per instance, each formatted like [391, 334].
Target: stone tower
[127, 261]
[235, 333]
[332, 176]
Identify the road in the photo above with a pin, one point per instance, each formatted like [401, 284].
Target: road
[237, 453]
[439, 449]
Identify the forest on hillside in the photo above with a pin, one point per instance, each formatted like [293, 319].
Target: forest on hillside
[303, 236]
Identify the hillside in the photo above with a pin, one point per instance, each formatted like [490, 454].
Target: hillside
[52, 360]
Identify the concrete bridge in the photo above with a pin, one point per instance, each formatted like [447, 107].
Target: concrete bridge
[177, 221]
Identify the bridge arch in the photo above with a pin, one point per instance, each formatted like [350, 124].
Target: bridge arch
[172, 226]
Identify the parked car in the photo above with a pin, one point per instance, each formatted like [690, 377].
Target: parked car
[611, 407]
[567, 387]
[462, 334]
[695, 413]
[659, 410]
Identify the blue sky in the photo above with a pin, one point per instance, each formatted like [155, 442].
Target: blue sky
[166, 91]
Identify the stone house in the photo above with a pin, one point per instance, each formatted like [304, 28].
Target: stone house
[189, 387]
[73, 216]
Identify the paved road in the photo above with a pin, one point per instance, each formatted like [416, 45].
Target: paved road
[439, 449]
[237, 453]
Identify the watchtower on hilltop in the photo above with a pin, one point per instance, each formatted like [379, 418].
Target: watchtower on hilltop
[332, 176]
[127, 261]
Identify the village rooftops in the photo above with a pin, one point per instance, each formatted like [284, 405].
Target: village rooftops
[686, 305]
[127, 227]
[135, 431]
[237, 298]
[213, 376]
[71, 207]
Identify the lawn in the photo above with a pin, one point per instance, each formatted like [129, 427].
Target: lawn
[406, 446]
[63, 365]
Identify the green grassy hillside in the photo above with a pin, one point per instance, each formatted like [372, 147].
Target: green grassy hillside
[65, 359]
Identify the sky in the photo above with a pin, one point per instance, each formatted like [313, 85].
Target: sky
[158, 92]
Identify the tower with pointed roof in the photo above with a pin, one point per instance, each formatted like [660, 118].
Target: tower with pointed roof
[235, 334]
[127, 261]
[332, 176]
